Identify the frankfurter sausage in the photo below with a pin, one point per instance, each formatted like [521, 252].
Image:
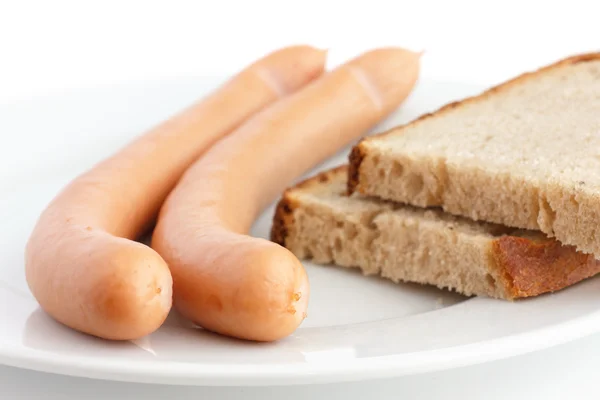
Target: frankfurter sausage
[81, 262]
[250, 288]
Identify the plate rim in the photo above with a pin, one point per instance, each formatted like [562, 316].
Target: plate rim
[361, 369]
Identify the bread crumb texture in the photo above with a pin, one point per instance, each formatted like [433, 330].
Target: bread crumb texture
[428, 246]
[525, 154]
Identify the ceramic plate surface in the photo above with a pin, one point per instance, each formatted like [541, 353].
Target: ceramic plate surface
[358, 327]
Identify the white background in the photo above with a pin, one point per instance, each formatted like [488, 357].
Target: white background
[50, 46]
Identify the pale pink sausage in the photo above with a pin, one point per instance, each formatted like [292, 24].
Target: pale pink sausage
[82, 264]
[246, 287]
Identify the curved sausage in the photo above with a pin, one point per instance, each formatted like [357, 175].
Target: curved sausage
[82, 264]
[250, 288]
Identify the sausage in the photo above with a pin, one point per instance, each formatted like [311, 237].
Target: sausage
[81, 261]
[251, 288]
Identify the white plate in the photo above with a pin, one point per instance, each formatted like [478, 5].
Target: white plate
[358, 327]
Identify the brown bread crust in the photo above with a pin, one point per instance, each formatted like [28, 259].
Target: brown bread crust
[532, 267]
[284, 212]
[356, 157]
[283, 218]
[360, 150]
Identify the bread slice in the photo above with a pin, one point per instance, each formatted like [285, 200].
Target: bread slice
[317, 220]
[524, 154]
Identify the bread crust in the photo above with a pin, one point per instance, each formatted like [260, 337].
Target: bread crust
[533, 267]
[524, 266]
[283, 218]
[360, 150]
[284, 211]
[356, 158]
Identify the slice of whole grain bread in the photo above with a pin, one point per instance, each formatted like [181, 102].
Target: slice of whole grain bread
[524, 154]
[318, 220]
